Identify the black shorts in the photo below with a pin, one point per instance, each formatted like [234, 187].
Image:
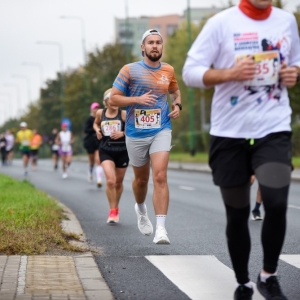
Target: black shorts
[26, 152]
[34, 153]
[120, 158]
[233, 161]
[91, 144]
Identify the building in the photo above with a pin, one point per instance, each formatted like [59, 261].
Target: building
[129, 32]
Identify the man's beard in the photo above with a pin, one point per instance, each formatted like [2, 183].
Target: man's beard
[153, 58]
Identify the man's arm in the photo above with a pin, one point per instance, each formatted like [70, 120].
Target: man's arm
[117, 98]
[175, 98]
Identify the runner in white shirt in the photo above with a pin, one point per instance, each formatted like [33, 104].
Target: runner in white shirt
[65, 140]
[255, 52]
[10, 141]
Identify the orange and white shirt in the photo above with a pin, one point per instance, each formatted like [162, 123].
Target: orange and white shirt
[136, 79]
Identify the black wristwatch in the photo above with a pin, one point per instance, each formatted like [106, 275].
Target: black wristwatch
[179, 105]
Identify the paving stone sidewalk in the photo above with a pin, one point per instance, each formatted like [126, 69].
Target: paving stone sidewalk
[46, 277]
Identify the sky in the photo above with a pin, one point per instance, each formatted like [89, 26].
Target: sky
[24, 23]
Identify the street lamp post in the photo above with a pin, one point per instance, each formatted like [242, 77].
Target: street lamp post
[40, 69]
[191, 90]
[127, 32]
[82, 34]
[8, 107]
[83, 45]
[17, 88]
[27, 82]
[61, 90]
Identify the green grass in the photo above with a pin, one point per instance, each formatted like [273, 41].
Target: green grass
[30, 221]
[186, 157]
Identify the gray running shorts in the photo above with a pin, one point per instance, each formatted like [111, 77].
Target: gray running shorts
[139, 150]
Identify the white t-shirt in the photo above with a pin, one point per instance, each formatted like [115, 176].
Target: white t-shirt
[65, 139]
[9, 141]
[246, 109]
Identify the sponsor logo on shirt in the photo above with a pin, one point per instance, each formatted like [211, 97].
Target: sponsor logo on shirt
[163, 80]
[234, 100]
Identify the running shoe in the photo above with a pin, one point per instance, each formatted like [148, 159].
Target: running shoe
[255, 215]
[64, 175]
[144, 223]
[242, 292]
[270, 289]
[99, 184]
[113, 216]
[161, 236]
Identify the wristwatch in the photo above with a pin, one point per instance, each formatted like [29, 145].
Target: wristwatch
[179, 105]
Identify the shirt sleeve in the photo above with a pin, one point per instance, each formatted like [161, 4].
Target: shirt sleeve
[202, 54]
[173, 87]
[295, 48]
[122, 80]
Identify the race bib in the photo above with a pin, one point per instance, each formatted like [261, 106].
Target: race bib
[267, 68]
[25, 143]
[55, 147]
[110, 126]
[66, 148]
[147, 118]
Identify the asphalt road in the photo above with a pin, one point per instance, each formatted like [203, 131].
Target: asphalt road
[195, 224]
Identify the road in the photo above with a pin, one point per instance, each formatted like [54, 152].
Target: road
[196, 265]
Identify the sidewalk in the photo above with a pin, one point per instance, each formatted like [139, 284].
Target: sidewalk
[198, 167]
[74, 277]
[46, 277]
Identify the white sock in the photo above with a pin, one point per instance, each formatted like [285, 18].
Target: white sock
[248, 285]
[99, 172]
[142, 208]
[264, 277]
[160, 220]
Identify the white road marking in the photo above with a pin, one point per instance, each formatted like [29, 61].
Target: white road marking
[294, 206]
[292, 259]
[187, 188]
[200, 277]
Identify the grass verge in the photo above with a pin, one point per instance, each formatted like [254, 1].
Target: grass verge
[30, 221]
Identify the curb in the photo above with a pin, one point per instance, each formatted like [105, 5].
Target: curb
[92, 281]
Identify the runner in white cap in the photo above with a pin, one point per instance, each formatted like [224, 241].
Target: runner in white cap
[143, 87]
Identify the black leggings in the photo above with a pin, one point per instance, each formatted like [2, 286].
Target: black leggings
[274, 180]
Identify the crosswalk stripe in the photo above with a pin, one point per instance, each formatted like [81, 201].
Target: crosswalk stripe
[292, 259]
[200, 277]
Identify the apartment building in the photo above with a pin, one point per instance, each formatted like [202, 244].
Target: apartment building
[130, 31]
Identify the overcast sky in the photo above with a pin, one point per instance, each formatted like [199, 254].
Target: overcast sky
[25, 22]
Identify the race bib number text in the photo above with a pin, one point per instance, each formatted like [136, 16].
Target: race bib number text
[147, 118]
[110, 126]
[267, 68]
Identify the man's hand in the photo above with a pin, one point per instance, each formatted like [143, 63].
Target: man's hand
[175, 113]
[288, 75]
[244, 69]
[147, 99]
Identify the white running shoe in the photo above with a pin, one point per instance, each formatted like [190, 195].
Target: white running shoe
[64, 175]
[161, 236]
[144, 223]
